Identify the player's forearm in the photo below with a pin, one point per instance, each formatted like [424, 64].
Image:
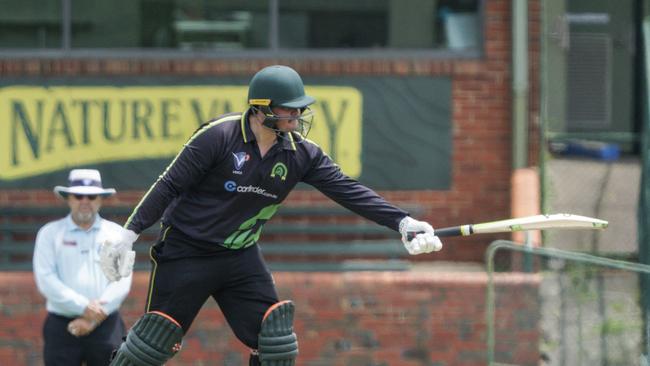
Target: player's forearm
[365, 202]
[151, 207]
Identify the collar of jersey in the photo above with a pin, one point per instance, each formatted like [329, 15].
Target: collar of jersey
[249, 136]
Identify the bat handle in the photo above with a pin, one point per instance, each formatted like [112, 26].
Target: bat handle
[462, 230]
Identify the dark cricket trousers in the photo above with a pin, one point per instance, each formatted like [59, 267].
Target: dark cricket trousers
[63, 349]
[184, 275]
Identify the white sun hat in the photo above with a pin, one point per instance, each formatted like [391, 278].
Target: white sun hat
[84, 181]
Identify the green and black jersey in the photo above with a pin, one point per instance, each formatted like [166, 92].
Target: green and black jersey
[219, 191]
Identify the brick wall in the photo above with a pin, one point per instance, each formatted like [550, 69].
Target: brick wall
[356, 319]
[480, 188]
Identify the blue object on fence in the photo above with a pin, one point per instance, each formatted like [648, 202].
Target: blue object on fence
[591, 149]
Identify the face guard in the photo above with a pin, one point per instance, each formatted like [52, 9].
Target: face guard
[271, 122]
[281, 86]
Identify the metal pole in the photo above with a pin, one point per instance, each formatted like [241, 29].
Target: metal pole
[274, 14]
[644, 199]
[519, 84]
[66, 23]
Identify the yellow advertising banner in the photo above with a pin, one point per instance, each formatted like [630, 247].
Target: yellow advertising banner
[45, 129]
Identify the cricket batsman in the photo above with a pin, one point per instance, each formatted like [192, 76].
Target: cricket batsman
[214, 199]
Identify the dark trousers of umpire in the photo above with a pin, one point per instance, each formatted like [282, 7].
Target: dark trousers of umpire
[63, 349]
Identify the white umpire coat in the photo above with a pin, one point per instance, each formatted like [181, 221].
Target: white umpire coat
[67, 270]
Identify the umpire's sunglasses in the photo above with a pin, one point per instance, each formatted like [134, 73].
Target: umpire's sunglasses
[81, 196]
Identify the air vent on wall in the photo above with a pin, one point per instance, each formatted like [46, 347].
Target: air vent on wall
[589, 81]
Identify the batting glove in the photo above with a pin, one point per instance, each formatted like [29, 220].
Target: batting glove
[421, 235]
[116, 256]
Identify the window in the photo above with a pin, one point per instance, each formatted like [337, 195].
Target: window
[30, 24]
[242, 24]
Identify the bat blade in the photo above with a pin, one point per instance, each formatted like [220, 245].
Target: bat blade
[537, 222]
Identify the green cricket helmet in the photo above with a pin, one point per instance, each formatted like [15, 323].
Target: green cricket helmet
[281, 86]
[278, 86]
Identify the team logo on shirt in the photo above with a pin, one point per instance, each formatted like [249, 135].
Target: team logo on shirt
[230, 186]
[280, 170]
[240, 159]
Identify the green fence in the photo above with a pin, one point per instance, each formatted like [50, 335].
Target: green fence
[590, 312]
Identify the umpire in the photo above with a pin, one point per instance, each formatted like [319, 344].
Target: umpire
[214, 198]
[83, 325]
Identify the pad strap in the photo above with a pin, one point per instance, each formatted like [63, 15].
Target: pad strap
[154, 339]
[277, 343]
